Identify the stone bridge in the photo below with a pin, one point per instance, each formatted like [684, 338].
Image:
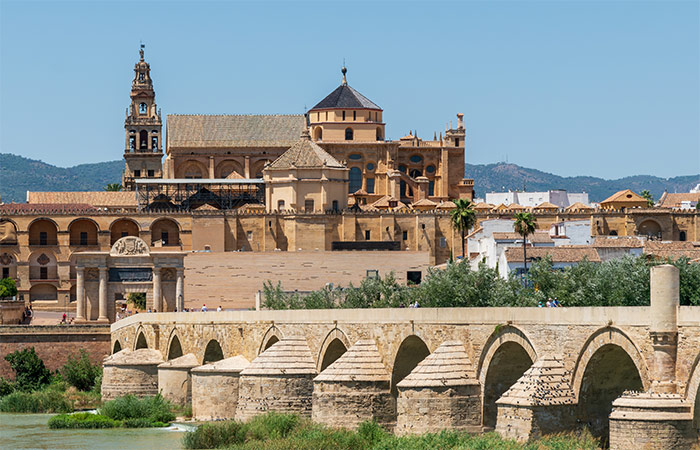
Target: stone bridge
[530, 370]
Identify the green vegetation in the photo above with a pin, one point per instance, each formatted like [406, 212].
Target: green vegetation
[620, 282]
[138, 299]
[274, 431]
[113, 187]
[463, 218]
[8, 288]
[648, 197]
[35, 390]
[126, 412]
[525, 225]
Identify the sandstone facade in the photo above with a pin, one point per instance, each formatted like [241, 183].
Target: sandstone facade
[215, 389]
[131, 372]
[175, 380]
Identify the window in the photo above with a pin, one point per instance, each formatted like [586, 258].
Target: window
[370, 185]
[348, 134]
[335, 205]
[370, 167]
[280, 205]
[6, 272]
[125, 233]
[151, 173]
[132, 143]
[154, 142]
[402, 168]
[308, 205]
[380, 135]
[143, 108]
[416, 158]
[326, 116]
[164, 237]
[404, 235]
[355, 156]
[682, 236]
[249, 235]
[373, 274]
[431, 188]
[354, 115]
[415, 173]
[443, 242]
[43, 238]
[43, 273]
[343, 115]
[413, 276]
[613, 233]
[143, 140]
[83, 238]
[368, 235]
[355, 180]
[137, 173]
[430, 169]
[141, 76]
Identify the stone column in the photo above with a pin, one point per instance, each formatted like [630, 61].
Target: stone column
[246, 167]
[80, 294]
[664, 327]
[157, 295]
[211, 167]
[103, 296]
[180, 289]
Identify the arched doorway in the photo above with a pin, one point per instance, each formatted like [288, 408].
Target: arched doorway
[649, 228]
[412, 351]
[609, 373]
[43, 292]
[175, 349]
[121, 228]
[141, 341]
[213, 352]
[509, 362]
[334, 351]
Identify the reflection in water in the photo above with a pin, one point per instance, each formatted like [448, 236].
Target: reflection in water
[30, 431]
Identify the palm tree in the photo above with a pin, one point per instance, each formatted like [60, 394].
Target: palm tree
[648, 197]
[463, 217]
[113, 187]
[525, 225]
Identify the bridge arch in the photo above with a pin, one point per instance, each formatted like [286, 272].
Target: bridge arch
[609, 364]
[117, 347]
[212, 352]
[508, 353]
[140, 341]
[334, 345]
[174, 346]
[271, 336]
[412, 351]
[692, 389]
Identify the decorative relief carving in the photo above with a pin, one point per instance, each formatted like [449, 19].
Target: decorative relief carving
[129, 246]
[92, 274]
[43, 259]
[167, 274]
[5, 259]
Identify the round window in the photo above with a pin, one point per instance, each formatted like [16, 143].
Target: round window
[416, 158]
[430, 169]
[402, 168]
[370, 166]
[355, 156]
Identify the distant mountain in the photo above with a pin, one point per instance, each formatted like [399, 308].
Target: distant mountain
[19, 175]
[503, 177]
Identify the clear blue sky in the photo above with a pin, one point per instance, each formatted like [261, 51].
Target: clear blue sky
[609, 88]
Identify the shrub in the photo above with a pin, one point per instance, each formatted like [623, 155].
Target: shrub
[80, 372]
[216, 435]
[82, 420]
[272, 425]
[155, 409]
[35, 402]
[8, 288]
[6, 387]
[138, 299]
[30, 371]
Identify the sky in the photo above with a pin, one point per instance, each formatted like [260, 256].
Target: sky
[599, 88]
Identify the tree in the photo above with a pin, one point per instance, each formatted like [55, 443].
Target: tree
[525, 225]
[30, 371]
[649, 198]
[8, 288]
[463, 217]
[113, 187]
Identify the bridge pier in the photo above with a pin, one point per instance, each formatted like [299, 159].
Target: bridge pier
[659, 419]
[131, 372]
[215, 389]
[175, 379]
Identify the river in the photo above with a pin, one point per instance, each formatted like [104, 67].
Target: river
[31, 432]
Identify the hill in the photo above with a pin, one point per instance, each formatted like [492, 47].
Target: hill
[19, 174]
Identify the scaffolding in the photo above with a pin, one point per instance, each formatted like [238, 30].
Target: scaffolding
[189, 194]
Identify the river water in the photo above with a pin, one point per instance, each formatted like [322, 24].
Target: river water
[30, 431]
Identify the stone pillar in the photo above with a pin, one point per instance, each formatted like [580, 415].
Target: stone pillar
[211, 167]
[80, 294]
[664, 327]
[180, 289]
[246, 167]
[103, 296]
[157, 294]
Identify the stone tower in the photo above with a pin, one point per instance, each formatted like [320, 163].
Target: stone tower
[143, 150]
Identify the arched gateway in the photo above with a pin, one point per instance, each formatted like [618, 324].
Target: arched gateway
[129, 267]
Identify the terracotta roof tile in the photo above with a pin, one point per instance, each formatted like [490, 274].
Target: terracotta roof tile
[305, 154]
[558, 254]
[46, 208]
[546, 205]
[674, 200]
[578, 206]
[617, 242]
[626, 196]
[113, 199]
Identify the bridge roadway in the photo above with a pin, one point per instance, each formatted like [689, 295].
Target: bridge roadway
[604, 350]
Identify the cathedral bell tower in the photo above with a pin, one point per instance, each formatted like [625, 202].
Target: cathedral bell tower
[143, 151]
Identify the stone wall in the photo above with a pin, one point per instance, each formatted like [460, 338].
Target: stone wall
[284, 394]
[427, 409]
[347, 404]
[54, 343]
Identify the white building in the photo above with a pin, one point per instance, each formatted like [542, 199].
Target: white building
[558, 197]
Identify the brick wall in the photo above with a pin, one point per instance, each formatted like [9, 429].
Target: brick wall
[53, 343]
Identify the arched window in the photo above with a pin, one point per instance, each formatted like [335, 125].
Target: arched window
[682, 236]
[309, 205]
[355, 180]
[348, 134]
[141, 76]
[143, 140]
[280, 205]
[380, 135]
[318, 133]
[415, 173]
[335, 205]
[154, 142]
[143, 108]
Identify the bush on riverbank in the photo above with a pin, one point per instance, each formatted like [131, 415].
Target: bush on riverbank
[273, 431]
[127, 412]
[46, 401]
[80, 372]
[82, 420]
[619, 282]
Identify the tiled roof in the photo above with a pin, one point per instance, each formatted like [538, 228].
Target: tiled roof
[558, 254]
[545, 383]
[362, 362]
[485, 206]
[345, 97]
[305, 154]
[425, 202]
[624, 196]
[229, 365]
[672, 249]
[46, 208]
[384, 202]
[140, 357]
[113, 199]
[448, 365]
[446, 205]
[538, 237]
[204, 131]
[183, 362]
[515, 207]
[617, 242]
[288, 356]
[578, 206]
[674, 200]
[546, 205]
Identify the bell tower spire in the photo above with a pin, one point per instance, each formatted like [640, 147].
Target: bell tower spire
[143, 152]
